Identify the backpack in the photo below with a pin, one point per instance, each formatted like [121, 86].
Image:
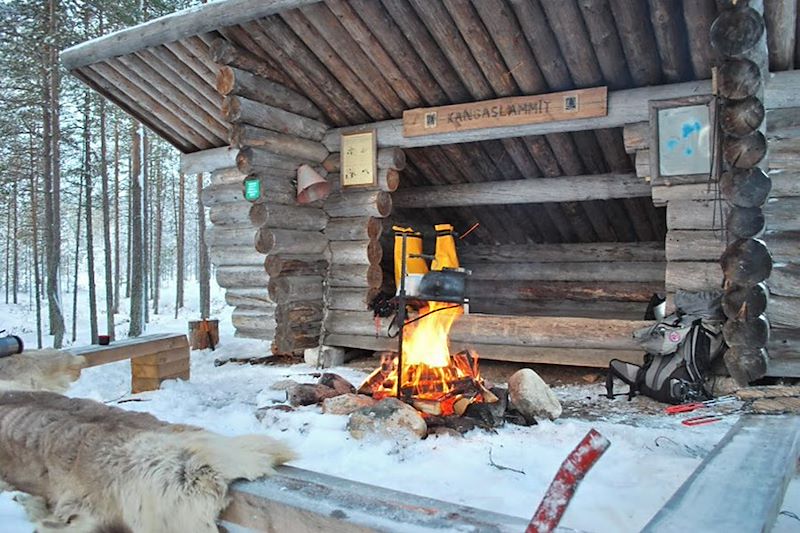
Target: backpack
[681, 349]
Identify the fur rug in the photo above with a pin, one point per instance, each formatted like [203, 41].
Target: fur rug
[94, 468]
[51, 370]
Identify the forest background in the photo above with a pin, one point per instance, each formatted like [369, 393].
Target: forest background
[88, 196]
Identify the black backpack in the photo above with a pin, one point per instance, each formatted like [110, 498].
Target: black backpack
[680, 352]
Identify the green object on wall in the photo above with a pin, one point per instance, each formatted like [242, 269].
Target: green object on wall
[252, 189]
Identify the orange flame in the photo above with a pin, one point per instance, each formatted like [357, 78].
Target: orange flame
[430, 373]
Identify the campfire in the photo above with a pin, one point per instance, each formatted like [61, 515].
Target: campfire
[434, 381]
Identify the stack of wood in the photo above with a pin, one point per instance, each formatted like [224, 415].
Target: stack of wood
[739, 36]
[276, 130]
[354, 230]
[592, 280]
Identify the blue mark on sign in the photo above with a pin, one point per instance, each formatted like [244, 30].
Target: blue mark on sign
[689, 128]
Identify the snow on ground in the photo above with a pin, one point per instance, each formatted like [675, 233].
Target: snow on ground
[650, 455]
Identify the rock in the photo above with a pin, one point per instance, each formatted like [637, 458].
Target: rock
[388, 418]
[263, 412]
[442, 431]
[499, 408]
[531, 396]
[345, 404]
[337, 383]
[308, 394]
[326, 356]
[283, 384]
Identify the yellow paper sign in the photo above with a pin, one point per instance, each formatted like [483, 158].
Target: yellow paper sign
[358, 159]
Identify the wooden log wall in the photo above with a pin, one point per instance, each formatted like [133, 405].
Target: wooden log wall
[592, 280]
[354, 229]
[239, 266]
[739, 36]
[276, 130]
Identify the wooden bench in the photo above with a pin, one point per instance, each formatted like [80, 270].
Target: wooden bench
[154, 358]
[740, 485]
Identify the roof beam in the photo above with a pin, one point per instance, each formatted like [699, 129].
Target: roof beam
[544, 190]
[624, 107]
[175, 26]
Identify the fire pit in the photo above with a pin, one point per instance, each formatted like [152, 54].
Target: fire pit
[430, 378]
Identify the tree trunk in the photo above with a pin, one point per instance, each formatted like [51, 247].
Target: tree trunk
[136, 281]
[77, 264]
[35, 239]
[147, 228]
[15, 241]
[107, 252]
[204, 276]
[117, 273]
[159, 226]
[87, 180]
[180, 244]
[52, 177]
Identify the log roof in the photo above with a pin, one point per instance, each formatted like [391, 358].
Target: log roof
[361, 61]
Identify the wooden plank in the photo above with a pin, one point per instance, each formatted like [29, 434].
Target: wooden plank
[147, 384]
[784, 311]
[635, 272]
[624, 107]
[545, 190]
[562, 253]
[696, 215]
[172, 27]
[132, 347]
[163, 370]
[700, 245]
[784, 352]
[636, 136]
[740, 485]
[302, 501]
[784, 184]
[509, 330]
[785, 279]
[518, 354]
[504, 112]
[167, 356]
[693, 276]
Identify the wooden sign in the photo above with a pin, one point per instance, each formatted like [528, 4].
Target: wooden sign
[512, 111]
[359, 159]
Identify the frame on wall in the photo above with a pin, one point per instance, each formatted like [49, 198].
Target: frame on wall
[359, 159]
[682, 140]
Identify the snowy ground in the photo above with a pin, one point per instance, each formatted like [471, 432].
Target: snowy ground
[650, 455]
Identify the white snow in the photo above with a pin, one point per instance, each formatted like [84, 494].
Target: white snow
[650, 455]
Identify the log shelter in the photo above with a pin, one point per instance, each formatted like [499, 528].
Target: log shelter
[575, 232]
